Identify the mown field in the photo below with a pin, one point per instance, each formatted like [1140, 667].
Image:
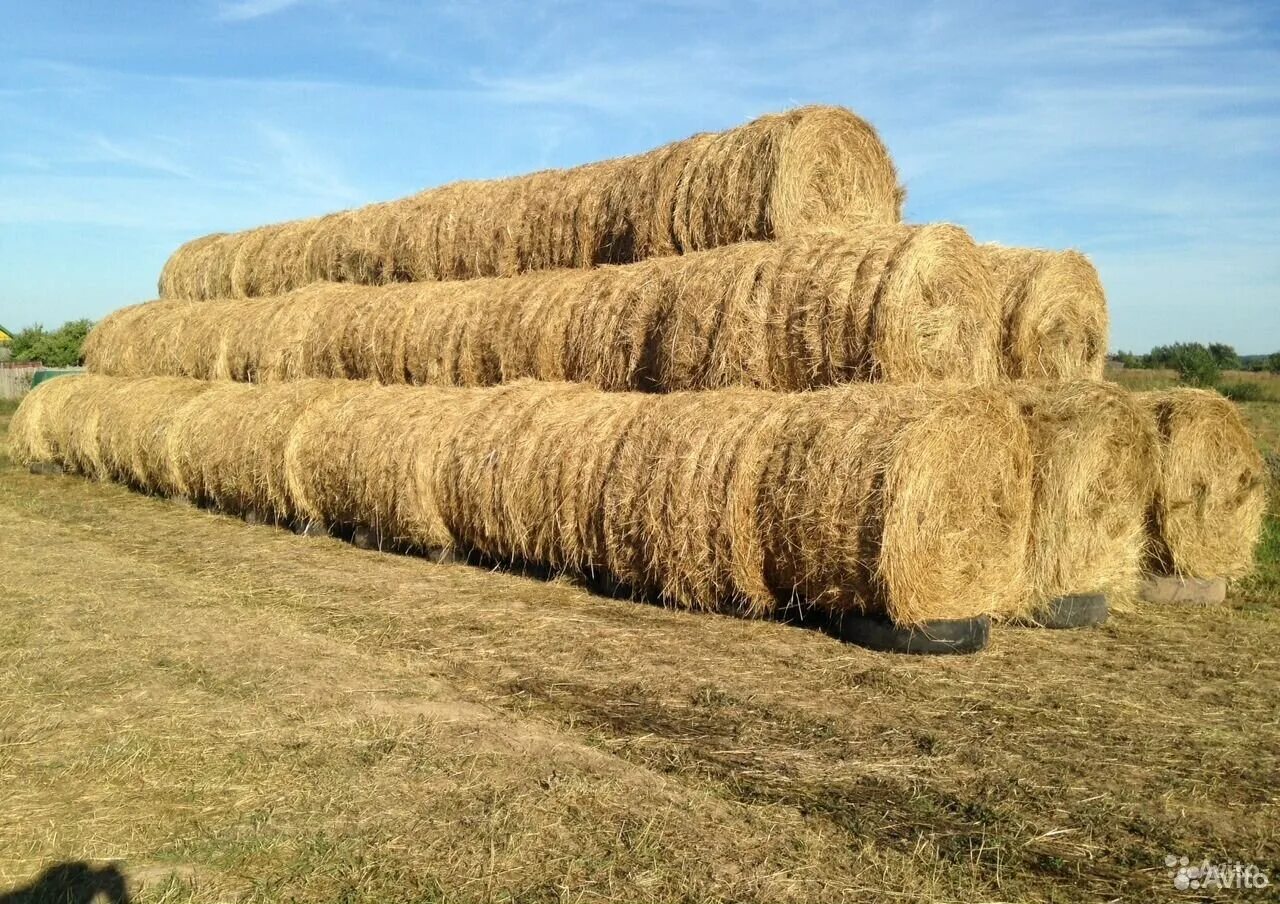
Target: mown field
[232, 712]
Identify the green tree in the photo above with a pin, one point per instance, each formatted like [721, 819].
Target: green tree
[64, 347]
[1195, 364]
[28, 343]
[1225, 356]
[1273, 363]
[1161, 356]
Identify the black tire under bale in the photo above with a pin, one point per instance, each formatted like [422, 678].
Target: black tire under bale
[940, 637]
[1080, 610]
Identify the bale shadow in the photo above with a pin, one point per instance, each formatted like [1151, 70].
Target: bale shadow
[73, 882]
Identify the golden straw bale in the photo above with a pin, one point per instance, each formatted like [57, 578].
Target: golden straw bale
[1212, 490]
[137, 429]
[1096, 463]
[1055, 313]
[35, 429]
[887, 303]
[911, 501]
[368, 455]
[854, 498]
[772, 178]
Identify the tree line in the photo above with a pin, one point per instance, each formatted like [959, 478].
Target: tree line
[1198, 364]
[63, 347]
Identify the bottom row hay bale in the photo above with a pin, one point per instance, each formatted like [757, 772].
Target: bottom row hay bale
[920, 502]
[1095, 472]
[911, 502]
[1206, 516]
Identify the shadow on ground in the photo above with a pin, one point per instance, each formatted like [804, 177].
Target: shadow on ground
[72, 883]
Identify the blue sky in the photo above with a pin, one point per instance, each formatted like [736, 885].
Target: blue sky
[1147, 135]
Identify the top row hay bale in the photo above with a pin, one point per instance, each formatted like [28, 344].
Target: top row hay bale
[773, 177]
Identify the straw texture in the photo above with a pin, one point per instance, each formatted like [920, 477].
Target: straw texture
[908, 501]
[1212, 492]
[771, 178]
[881, 303]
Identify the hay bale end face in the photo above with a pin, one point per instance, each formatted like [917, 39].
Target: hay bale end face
[886, 303]
[1054, 313]
[1096, 462]
[1206, 517]
[771, 178]
[851, 499]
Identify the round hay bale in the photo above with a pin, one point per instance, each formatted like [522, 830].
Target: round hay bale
[84, 425]
[887, 303]
[36, 427]
[1055, 313]
[366, 454]
[137, 429]
[1212, 492]
[771, 178]
[1096, 460]
[852, 499]
[855, 499]
[902, 500]
[228, 450]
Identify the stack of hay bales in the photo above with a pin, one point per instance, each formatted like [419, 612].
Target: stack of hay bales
[723, 373]
[733, 500]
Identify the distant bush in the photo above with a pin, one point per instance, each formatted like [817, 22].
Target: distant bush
[1243, 391]
[62, 347]
[1225, 356]
[1273, 363]
[1195, 364]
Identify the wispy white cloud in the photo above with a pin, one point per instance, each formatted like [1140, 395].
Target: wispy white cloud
[105, 149]
[244, 10]
[294, 161]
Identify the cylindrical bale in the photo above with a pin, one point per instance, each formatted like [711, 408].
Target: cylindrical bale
[893, 499]
[924, 499]
[229, 449]
[1096, 464]
[524, 477]
[366, 455]
[887, 303]
[771, 178]
[1212, 490]
[82, 431]
[863, 498]
[1054, 313]
[137, 430]
[37, 431]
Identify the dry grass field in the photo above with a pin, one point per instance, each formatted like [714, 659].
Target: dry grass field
[233, 712]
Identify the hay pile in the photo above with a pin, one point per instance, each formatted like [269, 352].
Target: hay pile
[885, 303]
[431, 369]
[771, 178]
[1207, 513]
[1055, 318]
[1096, 454]
[858, 498]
